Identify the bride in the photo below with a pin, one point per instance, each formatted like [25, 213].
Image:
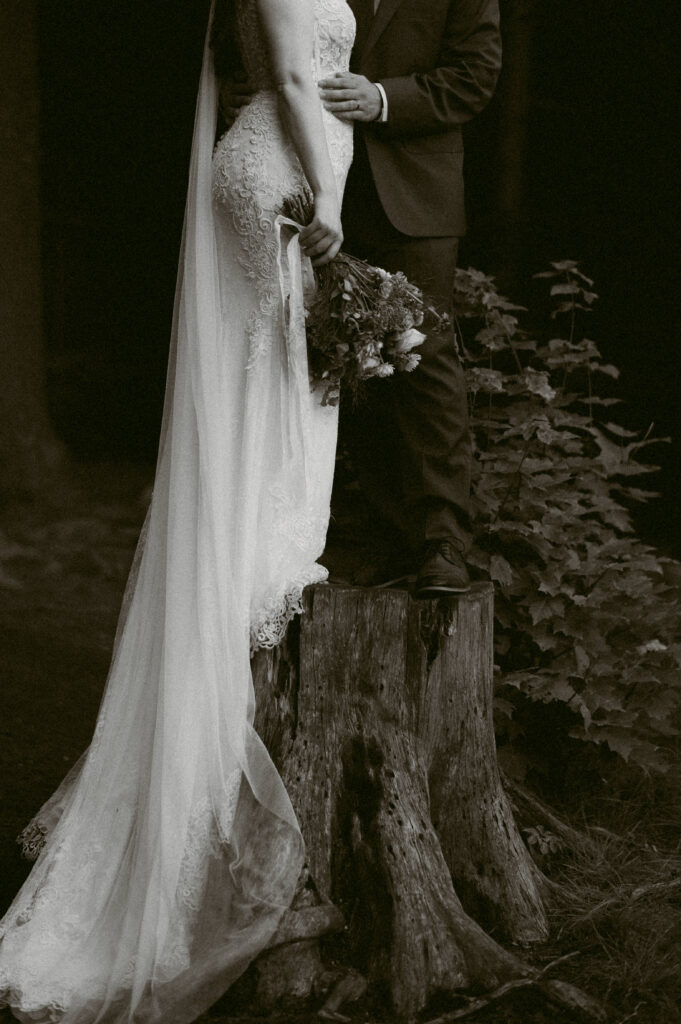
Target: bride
[170, 852]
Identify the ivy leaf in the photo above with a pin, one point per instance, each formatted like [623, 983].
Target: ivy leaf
[504, 707]
[612, 455]
[586, 715]
[551, 581]
[501, 571]
[622, 741]
[479, 379]
[595, 400]
[619, 431]
[582, 659]
[545, 609]
[567, 288]
[537, 382]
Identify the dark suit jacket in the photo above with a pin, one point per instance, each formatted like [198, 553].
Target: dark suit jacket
[438, 61]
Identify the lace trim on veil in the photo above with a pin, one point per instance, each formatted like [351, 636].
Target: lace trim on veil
[32, 839]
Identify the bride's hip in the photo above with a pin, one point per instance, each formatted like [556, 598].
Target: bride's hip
[255, 159]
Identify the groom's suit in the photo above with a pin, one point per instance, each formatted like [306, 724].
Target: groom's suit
[437, 62]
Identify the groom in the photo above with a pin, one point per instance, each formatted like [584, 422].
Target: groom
[420, 70]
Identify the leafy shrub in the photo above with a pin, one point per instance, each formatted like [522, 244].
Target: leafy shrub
[584, 617]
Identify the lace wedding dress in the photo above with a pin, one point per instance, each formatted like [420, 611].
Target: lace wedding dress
[170, 852]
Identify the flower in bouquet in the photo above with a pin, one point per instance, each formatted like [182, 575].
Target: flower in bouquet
[361, 321]
[405, 341]
[399, 349]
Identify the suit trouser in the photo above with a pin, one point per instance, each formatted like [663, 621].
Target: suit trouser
[409, 434]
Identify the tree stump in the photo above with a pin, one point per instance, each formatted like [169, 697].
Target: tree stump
[378, 713]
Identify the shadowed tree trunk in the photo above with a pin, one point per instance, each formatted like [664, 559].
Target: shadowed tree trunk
[29, 452]
[378, 713]
[514, 100]
[501, 180]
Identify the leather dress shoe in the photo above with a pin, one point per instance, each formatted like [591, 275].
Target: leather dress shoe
[443, 571]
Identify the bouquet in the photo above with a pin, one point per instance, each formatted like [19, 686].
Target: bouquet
[361, 321]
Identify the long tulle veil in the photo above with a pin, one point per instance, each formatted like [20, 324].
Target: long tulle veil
[172, 850]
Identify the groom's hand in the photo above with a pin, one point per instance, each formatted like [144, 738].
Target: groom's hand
[351, 97]
[234, 93]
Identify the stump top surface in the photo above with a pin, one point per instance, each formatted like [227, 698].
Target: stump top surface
[476, 592]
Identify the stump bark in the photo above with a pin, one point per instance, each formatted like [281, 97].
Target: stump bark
[378, 713]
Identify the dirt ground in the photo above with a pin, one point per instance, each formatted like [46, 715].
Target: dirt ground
[62, 573]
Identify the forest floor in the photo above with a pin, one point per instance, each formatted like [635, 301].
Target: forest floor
[62, 572]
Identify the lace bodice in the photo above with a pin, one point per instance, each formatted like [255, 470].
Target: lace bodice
[334, 36]
[255, 165]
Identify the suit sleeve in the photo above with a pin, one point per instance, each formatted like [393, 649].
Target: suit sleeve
[460, 86]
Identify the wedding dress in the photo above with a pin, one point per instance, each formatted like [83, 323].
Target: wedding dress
[171, 850]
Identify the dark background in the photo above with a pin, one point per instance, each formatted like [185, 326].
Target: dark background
[600, 184]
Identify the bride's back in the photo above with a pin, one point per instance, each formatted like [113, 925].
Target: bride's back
[238, 42]
[252, 45]
[255, 166]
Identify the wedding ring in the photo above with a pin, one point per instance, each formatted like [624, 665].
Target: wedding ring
[357, 104]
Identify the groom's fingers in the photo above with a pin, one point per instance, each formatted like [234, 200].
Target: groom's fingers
[330, 97]
[337, 80]
[350, 97]
[343, 106]
[339, 88]
[344, 103]
[340, 91]
[347, 114]
[338, 106]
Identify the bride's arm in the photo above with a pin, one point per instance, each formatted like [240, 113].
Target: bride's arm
[288, 26]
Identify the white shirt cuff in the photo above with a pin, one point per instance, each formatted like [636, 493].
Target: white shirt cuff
[383, 116]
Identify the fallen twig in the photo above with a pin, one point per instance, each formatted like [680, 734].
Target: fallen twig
[656, 888]
[632, 1015]
[623, 898]
[561, 992]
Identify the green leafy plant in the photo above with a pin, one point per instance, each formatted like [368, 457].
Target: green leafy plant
[584, 618]
[541, 842]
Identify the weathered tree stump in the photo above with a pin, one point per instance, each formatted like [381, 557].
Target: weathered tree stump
[378, 713]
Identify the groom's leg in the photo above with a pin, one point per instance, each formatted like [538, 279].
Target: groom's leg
[410, 436]
[429, 406]
[367, 425]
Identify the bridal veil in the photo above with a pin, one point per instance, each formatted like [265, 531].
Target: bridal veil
[172, 849]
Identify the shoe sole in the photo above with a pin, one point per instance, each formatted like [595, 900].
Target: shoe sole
[405, 578]
[438, 591]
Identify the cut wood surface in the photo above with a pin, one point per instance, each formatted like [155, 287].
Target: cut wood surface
[378, 713]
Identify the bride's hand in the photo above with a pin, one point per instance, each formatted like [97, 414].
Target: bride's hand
[322, 238]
